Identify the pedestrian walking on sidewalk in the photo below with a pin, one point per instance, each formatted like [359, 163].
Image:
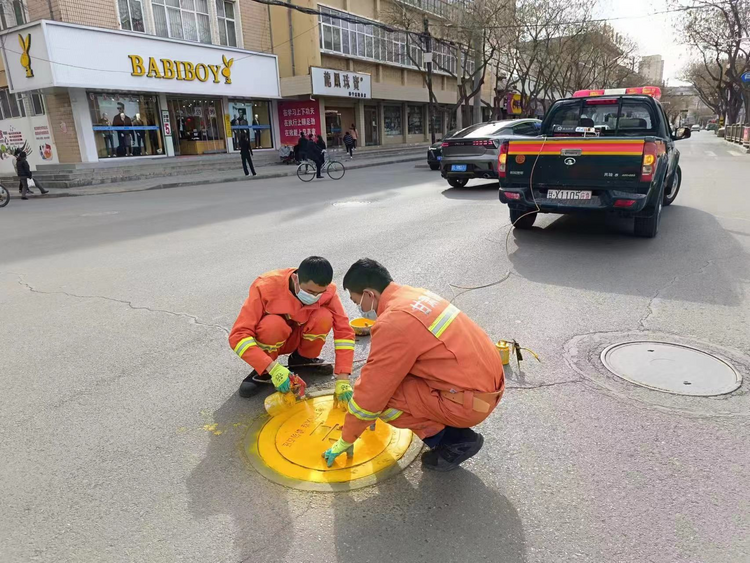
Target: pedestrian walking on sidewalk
[246, 152]
[24, 173]
[354, 134]
[349, 143]
[15, 169]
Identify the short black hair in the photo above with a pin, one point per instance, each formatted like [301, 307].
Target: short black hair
[315, 269]
[367, 273]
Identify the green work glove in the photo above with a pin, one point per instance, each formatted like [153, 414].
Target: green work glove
[280, 378]
[336, 450]
[344, 391]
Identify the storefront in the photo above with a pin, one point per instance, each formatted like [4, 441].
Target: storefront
[136, 95]
[345, 95]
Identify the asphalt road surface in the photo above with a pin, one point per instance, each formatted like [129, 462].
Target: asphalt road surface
[120, 424]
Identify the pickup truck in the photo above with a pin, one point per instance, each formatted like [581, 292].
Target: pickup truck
[601, 150]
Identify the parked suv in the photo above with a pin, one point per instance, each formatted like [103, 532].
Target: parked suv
[472, 151]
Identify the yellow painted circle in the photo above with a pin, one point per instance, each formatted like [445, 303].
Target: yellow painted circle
[291, 445]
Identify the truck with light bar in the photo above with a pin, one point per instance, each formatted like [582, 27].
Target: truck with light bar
[607, 151]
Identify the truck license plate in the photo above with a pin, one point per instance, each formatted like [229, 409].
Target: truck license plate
[568, 194]
[458, 168]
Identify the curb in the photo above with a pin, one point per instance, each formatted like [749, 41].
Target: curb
[189, 183]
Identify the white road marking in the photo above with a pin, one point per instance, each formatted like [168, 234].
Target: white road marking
[710, 153]
[733, 153]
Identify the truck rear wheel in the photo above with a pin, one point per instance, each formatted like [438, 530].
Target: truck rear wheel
[670, 193]
[522, 218]
[647, 227]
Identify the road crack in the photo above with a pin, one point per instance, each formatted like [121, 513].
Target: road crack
[650, 306]
[543, 385]
[192, 318]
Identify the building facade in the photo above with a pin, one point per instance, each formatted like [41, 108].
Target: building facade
[652, 68]
[114, 79]
[344, 74]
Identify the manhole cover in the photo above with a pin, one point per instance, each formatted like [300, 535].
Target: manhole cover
[288, 448]
[671, 368]
[350, 203]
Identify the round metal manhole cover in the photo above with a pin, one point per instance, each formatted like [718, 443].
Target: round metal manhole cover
[288, 448]
[671, 368]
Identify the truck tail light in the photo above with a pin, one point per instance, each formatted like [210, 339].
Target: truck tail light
[502, 160]
[445, 145]
[649, 162]
[512, 195]
[625, 203]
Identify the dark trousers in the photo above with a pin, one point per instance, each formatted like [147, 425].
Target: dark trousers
[318, 165]
[350, 149]
[25, 186]
[247, 159]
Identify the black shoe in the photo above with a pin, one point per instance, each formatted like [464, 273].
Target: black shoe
[311, 366]
[319, 176]
[45, 192]
[252, 383]
[24, 197]
[446, 457]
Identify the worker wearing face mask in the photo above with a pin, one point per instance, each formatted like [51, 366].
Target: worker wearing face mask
[431, 369]
[291, 311]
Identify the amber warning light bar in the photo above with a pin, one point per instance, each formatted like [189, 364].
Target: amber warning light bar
[653, 91]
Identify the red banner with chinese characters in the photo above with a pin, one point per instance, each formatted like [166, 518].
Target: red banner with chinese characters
[296, 118]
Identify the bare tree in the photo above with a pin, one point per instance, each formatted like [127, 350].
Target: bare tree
[717, 32]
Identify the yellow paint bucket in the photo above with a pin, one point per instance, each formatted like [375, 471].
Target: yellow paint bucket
[503, 348]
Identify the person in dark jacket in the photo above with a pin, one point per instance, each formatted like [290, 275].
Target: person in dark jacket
[24, 173]
[246, 152]
[315, 153]
[300, 149]
[349, 144]
[321, 143]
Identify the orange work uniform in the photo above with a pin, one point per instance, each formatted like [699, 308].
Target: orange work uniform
[430, 366]
[273, 322]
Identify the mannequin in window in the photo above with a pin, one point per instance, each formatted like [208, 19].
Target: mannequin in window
[124, 137]
[140, 134]
[257, 131]
[109, 144]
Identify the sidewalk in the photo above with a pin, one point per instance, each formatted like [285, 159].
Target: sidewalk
[208, 178]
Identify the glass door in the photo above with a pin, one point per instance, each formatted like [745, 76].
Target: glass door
[372, 135]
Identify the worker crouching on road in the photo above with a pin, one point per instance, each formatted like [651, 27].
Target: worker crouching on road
[431, 369]
[291, 311]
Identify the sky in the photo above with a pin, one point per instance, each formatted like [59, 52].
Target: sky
[653, 34]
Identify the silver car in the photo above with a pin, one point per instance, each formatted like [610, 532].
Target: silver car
[472, 151]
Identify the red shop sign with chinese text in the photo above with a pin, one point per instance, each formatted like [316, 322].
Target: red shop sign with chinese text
[296, 118]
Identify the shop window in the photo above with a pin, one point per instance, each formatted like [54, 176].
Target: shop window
[416, 120]
[253, 119]
[182, 19]
[227, 29]
[9, 105]
[131, 15]
[125, 124]
[392, 119]
[197, 125]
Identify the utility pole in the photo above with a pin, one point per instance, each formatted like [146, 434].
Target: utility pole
[428, 62]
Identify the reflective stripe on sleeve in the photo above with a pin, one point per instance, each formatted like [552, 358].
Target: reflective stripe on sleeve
[314, 336]
[361, 413]
[271, 347]
[444, 320]
[343, 344]
[389, 415]
[243, 345]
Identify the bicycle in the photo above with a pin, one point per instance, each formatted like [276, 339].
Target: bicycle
[307, 170]
[4, 196]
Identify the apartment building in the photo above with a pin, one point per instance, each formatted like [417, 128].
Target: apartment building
[121, 79]
[337, 74]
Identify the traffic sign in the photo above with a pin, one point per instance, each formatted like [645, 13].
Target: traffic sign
[746, 77]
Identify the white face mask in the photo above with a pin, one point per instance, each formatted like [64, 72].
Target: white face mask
[371, 314]
[305, 297]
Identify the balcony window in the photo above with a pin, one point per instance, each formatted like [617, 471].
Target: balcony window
[182, 19]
